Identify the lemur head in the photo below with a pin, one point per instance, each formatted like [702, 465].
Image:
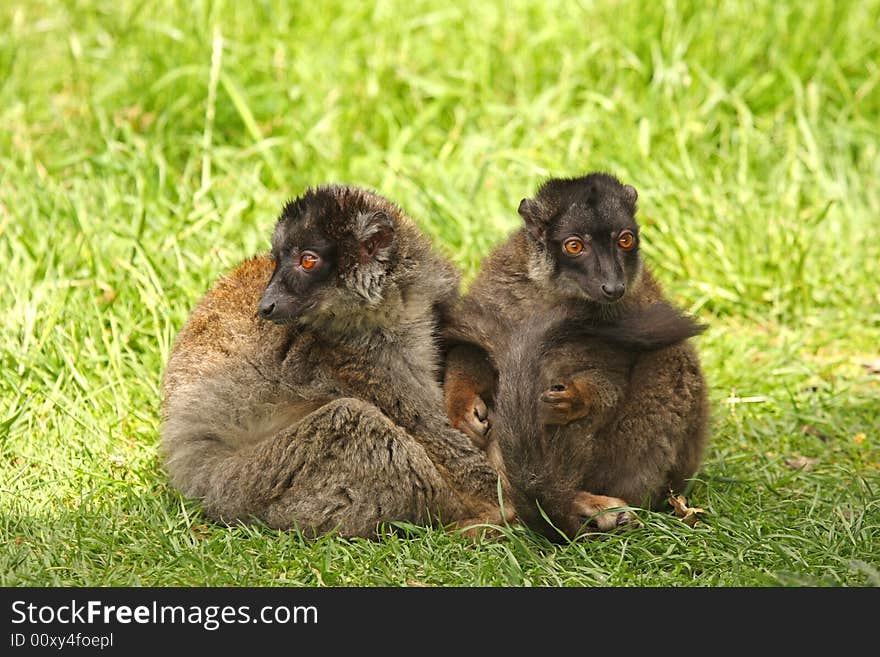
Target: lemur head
[334, 249]
[585, 235]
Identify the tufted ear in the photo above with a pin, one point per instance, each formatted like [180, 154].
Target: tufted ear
[533, 214]
[374, 232]
[630, 194]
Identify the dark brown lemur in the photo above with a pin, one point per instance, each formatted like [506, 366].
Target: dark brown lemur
[600, 401]
[303, 390]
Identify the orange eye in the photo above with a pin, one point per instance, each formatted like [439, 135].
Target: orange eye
[574, 246]
[626, 240]
[308, 261]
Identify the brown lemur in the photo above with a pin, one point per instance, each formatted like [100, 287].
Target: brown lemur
[304, 389]
[571, 368]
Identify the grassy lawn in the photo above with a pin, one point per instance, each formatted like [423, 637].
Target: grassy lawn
[145, 148]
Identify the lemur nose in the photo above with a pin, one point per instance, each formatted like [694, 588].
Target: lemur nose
[266, 308]
[613, 291]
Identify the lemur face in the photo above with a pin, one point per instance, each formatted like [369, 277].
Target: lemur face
[587, 229]
[332, 250]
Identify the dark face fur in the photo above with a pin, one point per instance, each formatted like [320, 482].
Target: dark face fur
[587, 230]
[333, 249]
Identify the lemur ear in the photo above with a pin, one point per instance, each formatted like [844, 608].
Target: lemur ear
[630, 194]
[374, 233]
[533, 214]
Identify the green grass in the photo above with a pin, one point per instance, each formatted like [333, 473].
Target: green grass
[145, 148]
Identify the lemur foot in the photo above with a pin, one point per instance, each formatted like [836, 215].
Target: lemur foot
[600, 511]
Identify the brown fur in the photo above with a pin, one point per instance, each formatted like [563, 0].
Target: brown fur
[333, 420]
[587, 398]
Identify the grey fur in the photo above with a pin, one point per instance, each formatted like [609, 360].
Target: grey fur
[332, 418]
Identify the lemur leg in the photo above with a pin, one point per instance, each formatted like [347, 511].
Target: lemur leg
[344, 467]
[660, 428]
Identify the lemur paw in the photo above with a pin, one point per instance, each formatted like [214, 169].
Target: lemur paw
[600, 512]
[486, 524]
[561, 404]
[475, 421]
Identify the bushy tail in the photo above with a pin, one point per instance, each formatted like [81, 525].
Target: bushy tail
[521, 438]
[542, 481]
[655, 326]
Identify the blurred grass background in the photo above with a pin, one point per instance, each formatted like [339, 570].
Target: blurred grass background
[146, 147]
